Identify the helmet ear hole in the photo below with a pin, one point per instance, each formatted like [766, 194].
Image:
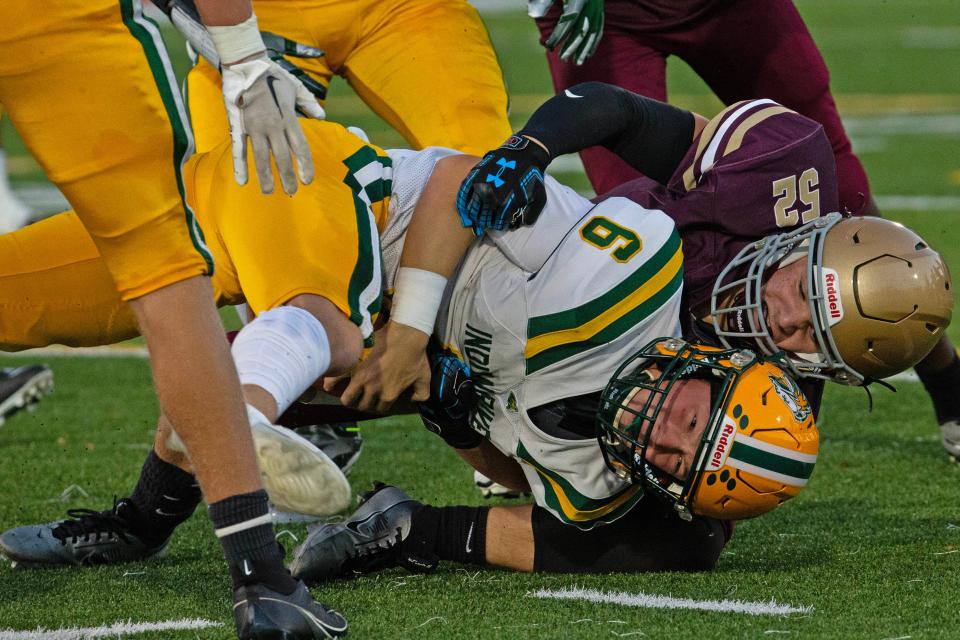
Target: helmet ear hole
[932, 328]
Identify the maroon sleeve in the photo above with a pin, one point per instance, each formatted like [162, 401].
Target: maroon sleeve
[745, 167]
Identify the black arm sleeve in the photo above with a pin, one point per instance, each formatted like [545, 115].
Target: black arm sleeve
[650, 136]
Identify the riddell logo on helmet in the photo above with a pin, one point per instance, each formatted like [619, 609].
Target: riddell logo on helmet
[721, 446]
[831, 296]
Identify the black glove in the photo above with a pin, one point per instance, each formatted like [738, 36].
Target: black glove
[447, 411]
[505, 189]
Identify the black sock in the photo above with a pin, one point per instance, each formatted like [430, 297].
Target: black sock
[944, 389]
[164, 497]
[458, 534]
[246, 534]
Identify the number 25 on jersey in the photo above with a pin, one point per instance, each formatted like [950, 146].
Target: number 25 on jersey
[786, 190]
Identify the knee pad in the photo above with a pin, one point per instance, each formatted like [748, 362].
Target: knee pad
[283, 351]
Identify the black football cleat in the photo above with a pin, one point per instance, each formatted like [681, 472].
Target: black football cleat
[370, 540]
[264, 614]
[341, 442]
[22, 388]
[87, 538]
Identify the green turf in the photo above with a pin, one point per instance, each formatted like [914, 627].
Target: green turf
[868, 545]
[873, 545]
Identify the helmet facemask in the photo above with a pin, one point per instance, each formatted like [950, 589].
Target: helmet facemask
[739, 314]
[759, 442]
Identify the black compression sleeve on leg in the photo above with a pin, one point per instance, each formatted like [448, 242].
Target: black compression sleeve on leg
[164, 497]
[651, 537]
[649, 135]
[458, 534]
[942, 386]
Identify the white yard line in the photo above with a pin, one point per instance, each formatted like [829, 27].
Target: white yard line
[668, 602]
[939, 124]
[494, 7]
[904, 376]
[918, 203]
[109, 351]
[114, 630]
[39, 196]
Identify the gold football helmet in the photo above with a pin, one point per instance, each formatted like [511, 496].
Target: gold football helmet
[880, 298]
[759, 446]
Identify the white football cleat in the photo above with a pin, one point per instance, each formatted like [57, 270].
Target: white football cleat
[950, 437]
[298, 476]
[23, 388]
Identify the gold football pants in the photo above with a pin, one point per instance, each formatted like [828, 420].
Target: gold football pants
[425, 66]
[88, 86]
[55, 287]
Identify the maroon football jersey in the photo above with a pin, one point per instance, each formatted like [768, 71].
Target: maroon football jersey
[757, 169]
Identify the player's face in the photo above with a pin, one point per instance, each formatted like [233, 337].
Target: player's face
[679, 425]
[787, 311]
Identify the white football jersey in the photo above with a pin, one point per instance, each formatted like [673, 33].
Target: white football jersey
[550, 311]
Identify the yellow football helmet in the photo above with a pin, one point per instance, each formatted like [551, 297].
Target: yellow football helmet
[880, 298]
[757, 450]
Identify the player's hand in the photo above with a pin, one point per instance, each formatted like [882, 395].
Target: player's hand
[577, 32]
[397, 366]
[185, 17]
[262, 100]
[505, 189]
[447, 411]
[278, 47]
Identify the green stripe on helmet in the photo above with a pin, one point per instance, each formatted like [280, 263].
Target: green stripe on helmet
[771, 461]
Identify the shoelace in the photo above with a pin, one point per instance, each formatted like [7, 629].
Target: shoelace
[84, 523]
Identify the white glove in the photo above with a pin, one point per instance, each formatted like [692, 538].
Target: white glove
[261, 100]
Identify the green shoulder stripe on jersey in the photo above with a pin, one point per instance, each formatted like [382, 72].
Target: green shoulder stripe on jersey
[147, 34]
[574, 507]
[558, 336]
[365, 170]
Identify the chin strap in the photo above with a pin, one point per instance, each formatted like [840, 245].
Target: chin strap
[866, 388]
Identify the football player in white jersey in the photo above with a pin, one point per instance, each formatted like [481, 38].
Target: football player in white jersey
[681, 430]
[418, 181]
[544, 317]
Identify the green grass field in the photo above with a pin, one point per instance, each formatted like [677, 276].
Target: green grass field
[873, 544]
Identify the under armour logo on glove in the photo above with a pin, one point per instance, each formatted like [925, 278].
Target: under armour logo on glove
[504, 165]
[505, 189]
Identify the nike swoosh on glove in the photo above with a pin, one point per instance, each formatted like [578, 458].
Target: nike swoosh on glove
[262, 101]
